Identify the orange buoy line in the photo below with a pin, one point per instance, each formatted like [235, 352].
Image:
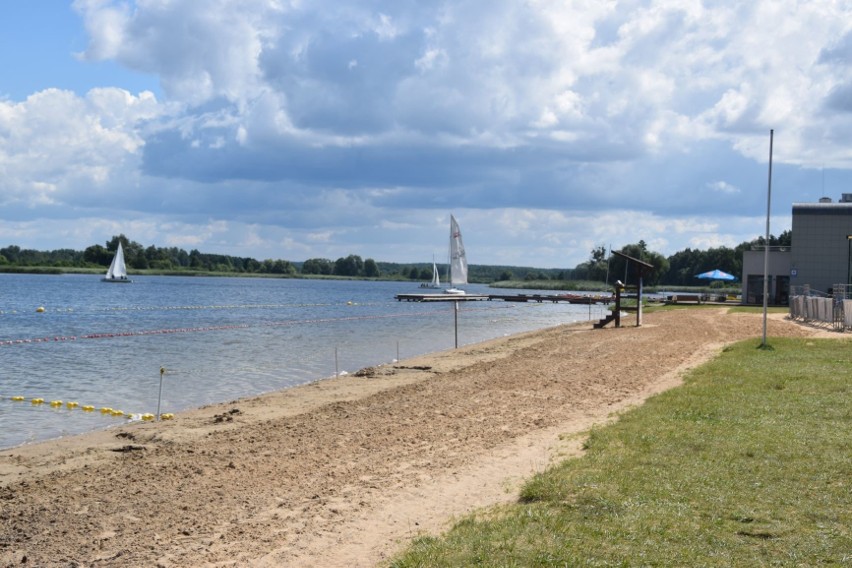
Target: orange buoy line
[166, 331]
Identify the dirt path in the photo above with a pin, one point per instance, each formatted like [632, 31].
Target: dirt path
[342, 472]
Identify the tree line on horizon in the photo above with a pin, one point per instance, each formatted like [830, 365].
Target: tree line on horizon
[678, 269]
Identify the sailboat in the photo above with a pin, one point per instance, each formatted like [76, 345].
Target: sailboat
[117, 270]
[436, 279]
[457, 269]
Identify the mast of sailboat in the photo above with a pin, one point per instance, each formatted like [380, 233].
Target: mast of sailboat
[450, 254]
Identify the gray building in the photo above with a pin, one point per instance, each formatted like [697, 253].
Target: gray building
[820, 255]
[778, 271]
[822, 243]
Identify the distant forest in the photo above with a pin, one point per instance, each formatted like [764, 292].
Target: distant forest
[678, 269]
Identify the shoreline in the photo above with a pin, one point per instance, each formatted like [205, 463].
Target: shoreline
[288, 401]
[345, 470]
[308, 326]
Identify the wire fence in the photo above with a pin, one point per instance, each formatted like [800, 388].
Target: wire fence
[817, 307]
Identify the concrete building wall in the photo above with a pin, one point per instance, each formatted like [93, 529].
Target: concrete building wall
[779, 276]
[821, 247]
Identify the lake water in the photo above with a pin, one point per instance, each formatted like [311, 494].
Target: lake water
[219, 339]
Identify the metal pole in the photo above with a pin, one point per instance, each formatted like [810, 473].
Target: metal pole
[766, 243]
[160, 394]
[397, 351]
[336, 371]
[848, 260]
[456, 318]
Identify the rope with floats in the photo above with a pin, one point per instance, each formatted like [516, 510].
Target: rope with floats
[168, 331]
[105, 411]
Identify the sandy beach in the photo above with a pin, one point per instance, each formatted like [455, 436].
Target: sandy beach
[345, 471]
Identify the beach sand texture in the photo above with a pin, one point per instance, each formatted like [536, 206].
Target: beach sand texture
[345, 471]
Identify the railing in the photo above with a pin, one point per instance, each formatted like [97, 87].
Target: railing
[814, 306]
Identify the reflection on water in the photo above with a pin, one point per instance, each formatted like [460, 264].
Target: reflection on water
[218, 339]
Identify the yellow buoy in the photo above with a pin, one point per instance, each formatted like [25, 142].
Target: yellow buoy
[168, 416]
[117, 413]
[37, 401]
[55, 403]
[88, 408]
[106, 410]
[148, 416]
[72, 404]
[17, 398]
[40, 309]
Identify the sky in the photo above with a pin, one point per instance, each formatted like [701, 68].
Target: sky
[288, 129]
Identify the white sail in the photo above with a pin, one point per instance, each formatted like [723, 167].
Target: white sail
[458, 260]
[117, 269]
[436, 279]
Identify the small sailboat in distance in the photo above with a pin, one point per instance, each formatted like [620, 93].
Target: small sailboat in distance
[457, 270]
[117, 269]
[436, 279]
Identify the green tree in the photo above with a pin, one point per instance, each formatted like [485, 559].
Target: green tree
[597, 267]
[318, 266]
[371, 269]
[195, 261]
[270, 266]
[12, 254]
[352, 265]
[96, 254]
[622, 269]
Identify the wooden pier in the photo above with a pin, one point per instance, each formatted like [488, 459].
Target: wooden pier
[539, 298]
[441, 297]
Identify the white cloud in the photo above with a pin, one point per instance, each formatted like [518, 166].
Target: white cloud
[723, 187]
[326, 127]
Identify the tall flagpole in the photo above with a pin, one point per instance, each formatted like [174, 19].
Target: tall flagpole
[766, 242]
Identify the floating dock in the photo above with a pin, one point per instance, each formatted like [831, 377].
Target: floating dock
[441, 297]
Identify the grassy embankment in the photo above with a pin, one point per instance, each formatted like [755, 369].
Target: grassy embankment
[748, 464]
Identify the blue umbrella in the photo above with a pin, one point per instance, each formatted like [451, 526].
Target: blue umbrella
[716, 275]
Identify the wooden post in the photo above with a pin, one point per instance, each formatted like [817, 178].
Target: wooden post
[617, 314]
[456, 321]
[641, 267]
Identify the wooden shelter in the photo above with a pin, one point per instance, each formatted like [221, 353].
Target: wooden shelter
[623, 291]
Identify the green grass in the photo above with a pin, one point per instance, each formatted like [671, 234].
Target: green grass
[749, 463]
[731, 307]
[759, 309]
